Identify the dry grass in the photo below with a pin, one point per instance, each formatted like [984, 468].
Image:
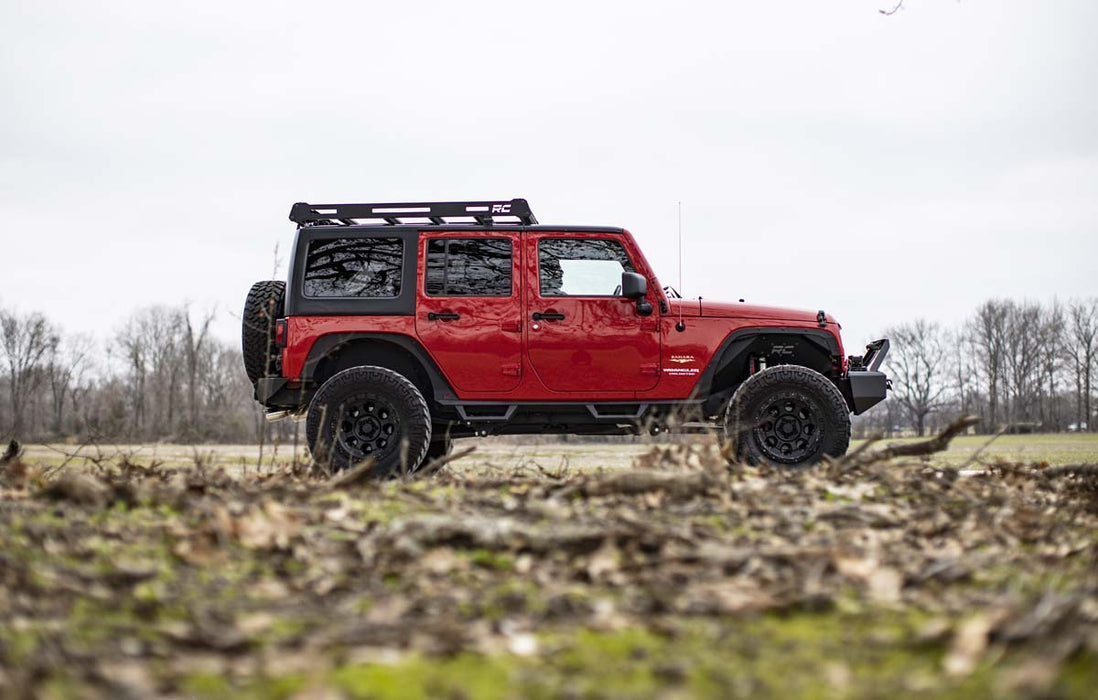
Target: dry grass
[550, 453]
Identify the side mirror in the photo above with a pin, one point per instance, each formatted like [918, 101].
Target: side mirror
[633, 285]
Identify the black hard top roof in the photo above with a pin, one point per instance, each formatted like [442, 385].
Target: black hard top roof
[471, 228]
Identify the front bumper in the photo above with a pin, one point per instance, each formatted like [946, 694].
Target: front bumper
[864, 390]
[864, 386]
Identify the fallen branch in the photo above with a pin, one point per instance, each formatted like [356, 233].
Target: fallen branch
[431, 468]
[358, 474]
[853, 458]
[935, 444]
[938, 443]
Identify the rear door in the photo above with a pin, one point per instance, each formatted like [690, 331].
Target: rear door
[469, 309]
[583, 336]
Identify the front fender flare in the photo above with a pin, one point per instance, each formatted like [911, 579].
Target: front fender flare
[721, 376]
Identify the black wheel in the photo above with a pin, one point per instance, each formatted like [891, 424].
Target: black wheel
[367, 413]
[441, 445]
[787, 415]
[262, 307]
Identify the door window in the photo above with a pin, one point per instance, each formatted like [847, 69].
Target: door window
[581, 267]
[468, 267]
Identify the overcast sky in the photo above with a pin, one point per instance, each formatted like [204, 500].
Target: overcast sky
[827, 156]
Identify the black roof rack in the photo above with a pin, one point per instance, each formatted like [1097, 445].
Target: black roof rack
[484, 213]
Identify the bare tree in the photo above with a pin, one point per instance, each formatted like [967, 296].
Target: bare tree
[919, 368]
[66, 363]
[153, 343]
[964, 369]
[135, 349]
[1022, 344]
[194, 344]
[1052, 333]
[24, 341]
[1082, 349]
[987, 331]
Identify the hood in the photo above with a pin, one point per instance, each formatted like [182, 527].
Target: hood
[724, 309]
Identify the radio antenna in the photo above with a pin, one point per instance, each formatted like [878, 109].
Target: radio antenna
[680, 326]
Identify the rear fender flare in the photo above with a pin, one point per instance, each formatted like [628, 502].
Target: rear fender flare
[334, 344]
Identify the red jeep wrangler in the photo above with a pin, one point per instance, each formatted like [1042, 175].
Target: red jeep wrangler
[405, 325]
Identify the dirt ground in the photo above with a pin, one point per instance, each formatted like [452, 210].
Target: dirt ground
[550, 571]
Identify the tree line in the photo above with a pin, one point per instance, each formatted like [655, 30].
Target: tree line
[161, 376]
[1021, 366]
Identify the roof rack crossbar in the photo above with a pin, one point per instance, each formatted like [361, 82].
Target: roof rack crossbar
[484, 213]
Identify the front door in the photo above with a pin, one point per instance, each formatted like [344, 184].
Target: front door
[469, 308]
[583, 335]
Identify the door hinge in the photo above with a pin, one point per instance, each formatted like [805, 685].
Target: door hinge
[650, 369]
[512, 370]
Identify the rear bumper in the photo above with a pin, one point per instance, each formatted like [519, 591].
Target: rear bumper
[266, 387]
[274, 393]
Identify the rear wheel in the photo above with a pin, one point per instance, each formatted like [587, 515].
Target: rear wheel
[369, 413]
[787, 415]
[262, 308]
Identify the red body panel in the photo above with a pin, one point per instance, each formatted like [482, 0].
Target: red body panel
[482, 349]
[602, 351]
[601, 344]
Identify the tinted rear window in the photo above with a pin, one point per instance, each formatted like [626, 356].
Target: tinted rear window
[354, 267]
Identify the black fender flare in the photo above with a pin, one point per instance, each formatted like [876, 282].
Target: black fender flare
[327, 344]
[734, 348]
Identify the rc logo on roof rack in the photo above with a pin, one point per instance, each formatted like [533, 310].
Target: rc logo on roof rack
[501, 208]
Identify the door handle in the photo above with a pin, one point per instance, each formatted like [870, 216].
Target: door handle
[444, 316]
[547, 316]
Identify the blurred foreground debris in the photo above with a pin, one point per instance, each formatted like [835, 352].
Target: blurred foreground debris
[130, 576]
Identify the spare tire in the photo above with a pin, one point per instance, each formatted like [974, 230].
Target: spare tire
[262, 308]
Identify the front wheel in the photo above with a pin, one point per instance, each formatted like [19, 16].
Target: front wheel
[367, 413]
[787, 415]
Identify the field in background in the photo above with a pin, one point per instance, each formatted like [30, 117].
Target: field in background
[531, 453]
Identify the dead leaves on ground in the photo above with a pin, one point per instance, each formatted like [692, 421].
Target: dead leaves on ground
[261, 565]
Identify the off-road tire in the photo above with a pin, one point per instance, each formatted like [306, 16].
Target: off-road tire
[351, 412]
[263, 306]
[787, 415]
